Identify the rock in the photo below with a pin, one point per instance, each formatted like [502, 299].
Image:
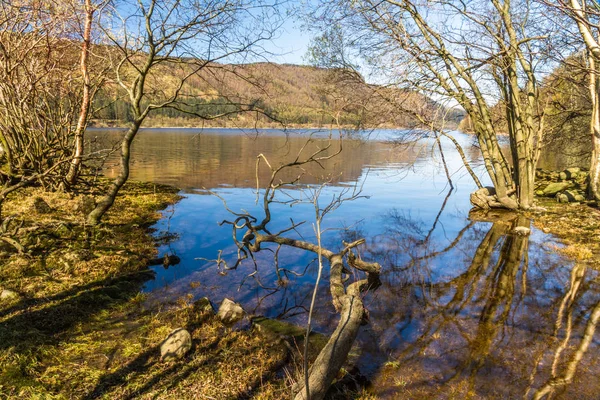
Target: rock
[562, 198]
[40, 206]
[166, 261]
[282, 330]
[176, 345]
[563, 176]
[579, 198]
[203, 305]
[230, 312]
[278, 328]
[553, 188]
[8, 295]
[571, 195]
[572, 172]
[539, 193]
[522, 231]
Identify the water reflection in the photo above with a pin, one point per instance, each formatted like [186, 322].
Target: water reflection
[568, 350]
[193, 158]
[468, 307]
[487, 330]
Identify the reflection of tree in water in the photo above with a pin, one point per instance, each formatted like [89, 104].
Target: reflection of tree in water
[490, 322]
[562, 375]
[210, 160]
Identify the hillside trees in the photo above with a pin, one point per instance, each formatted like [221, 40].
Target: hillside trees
[157, 46]
[474, 53]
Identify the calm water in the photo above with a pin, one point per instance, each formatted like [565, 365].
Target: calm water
[466, 309]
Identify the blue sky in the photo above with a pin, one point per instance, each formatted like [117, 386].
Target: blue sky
[290, 44]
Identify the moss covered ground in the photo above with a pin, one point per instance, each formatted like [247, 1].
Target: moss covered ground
[78, 328]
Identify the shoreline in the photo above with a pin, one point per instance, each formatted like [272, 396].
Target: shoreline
[79, 328]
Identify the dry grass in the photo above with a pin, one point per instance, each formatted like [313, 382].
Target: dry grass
[576, 225]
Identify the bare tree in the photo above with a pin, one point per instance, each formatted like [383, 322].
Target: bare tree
[586, 14]
[346, 296]
[38, 97]
[155, 47]
[87, 10]
[481, 55]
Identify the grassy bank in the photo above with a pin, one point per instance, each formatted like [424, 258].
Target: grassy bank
[74, 325]
[577, 225]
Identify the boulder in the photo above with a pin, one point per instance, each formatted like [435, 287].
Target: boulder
[40, 206]
[230, 312]
[563, 176]
[553, 188]
[8, 295]
[176, 345]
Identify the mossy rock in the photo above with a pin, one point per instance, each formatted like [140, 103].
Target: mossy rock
[554, 188]
[203, 305]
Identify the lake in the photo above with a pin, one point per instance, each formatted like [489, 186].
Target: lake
[467, 308]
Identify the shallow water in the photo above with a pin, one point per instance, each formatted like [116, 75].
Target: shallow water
[466, 308]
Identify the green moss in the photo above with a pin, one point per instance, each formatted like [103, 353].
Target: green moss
[79, 327]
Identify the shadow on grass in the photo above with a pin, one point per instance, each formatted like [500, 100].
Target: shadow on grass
[47, 321]
[146, 373]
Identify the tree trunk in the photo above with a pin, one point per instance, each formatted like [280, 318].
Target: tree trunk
[526, 184]
[107, 200]
[594, 184]
[334, 354]
[85, 102]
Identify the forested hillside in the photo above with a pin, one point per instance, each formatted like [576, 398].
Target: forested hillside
[290, 95]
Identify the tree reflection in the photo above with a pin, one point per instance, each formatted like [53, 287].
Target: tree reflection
[476, 313]
[564, 366]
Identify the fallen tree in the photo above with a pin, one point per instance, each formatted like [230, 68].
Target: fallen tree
[346, 296]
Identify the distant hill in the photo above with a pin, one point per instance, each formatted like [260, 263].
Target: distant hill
[297, 96]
